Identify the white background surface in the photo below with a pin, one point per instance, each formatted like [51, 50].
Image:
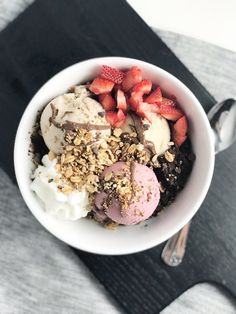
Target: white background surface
[211, 20]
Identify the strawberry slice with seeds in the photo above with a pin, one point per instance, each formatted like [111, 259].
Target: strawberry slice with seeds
[168, 102]
[155, 96]
[107, 101]
[121, 100]
[132, 77]
[169, 112]
[112, 74]
[116, 118]
[179, 131]
[101, 86]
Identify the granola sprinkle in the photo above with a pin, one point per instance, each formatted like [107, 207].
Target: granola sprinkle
[84, 157]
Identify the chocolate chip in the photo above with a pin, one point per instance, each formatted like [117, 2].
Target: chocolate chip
[101, 114]
[146, 126]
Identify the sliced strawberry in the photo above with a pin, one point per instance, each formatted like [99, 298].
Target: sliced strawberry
[143, 87]
[155, 96]
[121, 100]
[179, 140]
[172, 97]
[112, 74]
[116, 87]
[169, 112]
[179, 131]
[107, 101]
[144, 110]
[116, 119]
[121, 115]
[111, 117]
[168, 102]
[132, 77]
[101, 86]
[135, 100]
[181, 126]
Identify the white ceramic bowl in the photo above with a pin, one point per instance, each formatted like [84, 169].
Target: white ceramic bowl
[88, 235]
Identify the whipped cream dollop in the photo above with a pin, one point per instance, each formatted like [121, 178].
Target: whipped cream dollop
[71, 206]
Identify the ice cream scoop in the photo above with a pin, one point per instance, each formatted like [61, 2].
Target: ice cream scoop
[141, 205]
[72, 111]
[155, 136]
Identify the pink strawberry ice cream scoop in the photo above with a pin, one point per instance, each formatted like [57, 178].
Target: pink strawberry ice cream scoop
[130, 193]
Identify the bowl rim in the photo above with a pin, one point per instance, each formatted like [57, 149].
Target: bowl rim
[179, 224]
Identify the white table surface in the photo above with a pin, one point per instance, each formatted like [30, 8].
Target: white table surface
[213, 21]
[39, 285]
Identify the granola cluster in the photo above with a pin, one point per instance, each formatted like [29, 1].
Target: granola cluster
[84, 158]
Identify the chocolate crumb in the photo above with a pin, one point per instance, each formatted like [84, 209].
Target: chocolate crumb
[146, 126]
[101, 114]
[174, 175]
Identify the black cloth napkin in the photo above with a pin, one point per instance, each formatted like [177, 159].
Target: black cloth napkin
[51, 35]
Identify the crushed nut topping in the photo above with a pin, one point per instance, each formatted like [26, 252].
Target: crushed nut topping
[85, 157]
[117, 132]
[111, 225]
[169, 156]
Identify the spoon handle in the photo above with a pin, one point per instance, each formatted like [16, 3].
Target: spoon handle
[174, 249]
[222, 118]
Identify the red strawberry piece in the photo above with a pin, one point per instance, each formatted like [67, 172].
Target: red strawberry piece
[116, 87]
[143, 87]
[168, 102]
[181, 126]
[121, 100]
[107, 101]
[169, 112]
[112, 74]
[116, 118]
[179, 140]
[118, 124]
[179, 131]
[155, 96]
[132, 77]
[144, 110]
[121, 115]
[135, 100]
[111, 117]
[172, 97]
[101, 86]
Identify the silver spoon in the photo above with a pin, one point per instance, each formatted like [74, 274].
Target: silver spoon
[222, 118]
